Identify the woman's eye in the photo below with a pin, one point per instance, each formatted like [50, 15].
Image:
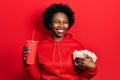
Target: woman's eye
[56, 22]
[65, 22]
[59, 22]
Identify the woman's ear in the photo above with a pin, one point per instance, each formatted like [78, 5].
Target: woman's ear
[50, 25]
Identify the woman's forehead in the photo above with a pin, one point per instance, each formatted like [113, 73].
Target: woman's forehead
[60, 15]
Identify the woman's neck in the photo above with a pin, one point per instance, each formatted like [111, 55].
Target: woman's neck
[57, 38]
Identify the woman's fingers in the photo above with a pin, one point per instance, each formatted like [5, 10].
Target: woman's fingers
[25, 49]
[24, 53]
[77, 59]
[84, 63]
[79, 62]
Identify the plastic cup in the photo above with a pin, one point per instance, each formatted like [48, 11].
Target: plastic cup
[31, 55]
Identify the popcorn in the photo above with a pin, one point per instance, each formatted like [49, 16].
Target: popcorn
[80, 54]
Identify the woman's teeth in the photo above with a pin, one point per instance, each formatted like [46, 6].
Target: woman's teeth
[60, 31]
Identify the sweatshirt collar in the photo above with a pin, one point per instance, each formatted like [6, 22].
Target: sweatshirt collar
[65, 39]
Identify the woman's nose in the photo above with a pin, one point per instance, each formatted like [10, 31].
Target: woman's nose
[61, 24]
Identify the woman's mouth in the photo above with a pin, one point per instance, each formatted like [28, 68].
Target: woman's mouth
[60, 31]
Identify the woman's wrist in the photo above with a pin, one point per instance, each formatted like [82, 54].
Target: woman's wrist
[92, 67]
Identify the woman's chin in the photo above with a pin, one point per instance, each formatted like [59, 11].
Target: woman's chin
[60, 35]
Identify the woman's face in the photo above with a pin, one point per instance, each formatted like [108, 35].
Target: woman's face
[59, 25]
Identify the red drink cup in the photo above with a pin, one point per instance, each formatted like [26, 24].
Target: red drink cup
[31, 56]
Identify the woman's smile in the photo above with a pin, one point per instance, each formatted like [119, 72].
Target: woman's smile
[60, 30]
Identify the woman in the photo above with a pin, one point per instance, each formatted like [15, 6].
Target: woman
[54, 54]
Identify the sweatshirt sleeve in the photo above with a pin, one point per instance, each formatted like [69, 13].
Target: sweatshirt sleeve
[88, 73]
[33, 71]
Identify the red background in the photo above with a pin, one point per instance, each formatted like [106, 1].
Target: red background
[97, 27]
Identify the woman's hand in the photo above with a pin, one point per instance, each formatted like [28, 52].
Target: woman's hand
[24, 53]
[85, 63]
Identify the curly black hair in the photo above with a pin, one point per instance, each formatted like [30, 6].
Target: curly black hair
[54, 8]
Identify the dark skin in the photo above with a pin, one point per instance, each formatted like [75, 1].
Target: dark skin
[24, 54]
[85, 63]
[59, 27]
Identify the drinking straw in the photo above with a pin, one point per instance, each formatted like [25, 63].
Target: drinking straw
[33, 34]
